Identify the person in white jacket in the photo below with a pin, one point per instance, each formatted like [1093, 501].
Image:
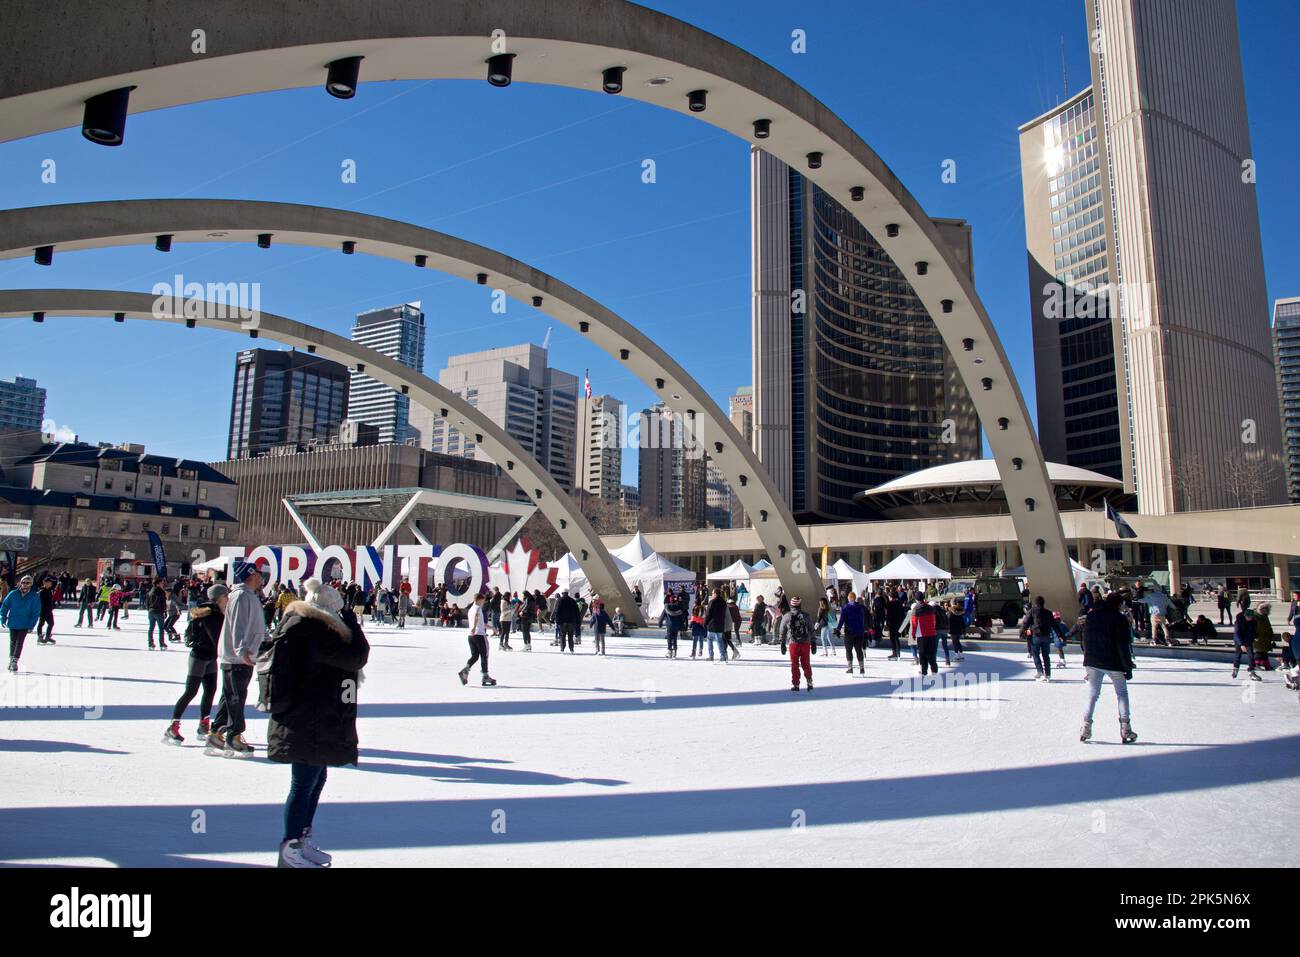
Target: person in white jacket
[242, 634]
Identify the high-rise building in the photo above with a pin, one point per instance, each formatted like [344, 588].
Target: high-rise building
[740, 408]
[22, 404]
[397, 332]
[1177, 237]
[284, 398]
[672, 471]
[853, 385]
[1286, 358]
[600, 446]
[515, 388]
[629, 506]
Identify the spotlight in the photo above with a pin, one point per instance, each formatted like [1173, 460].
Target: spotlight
[537, 493]
[361, 367]
[478, 438]
[349, 247]
[163, 243]
[695, 100]
[537, 302]
[341, 77]
[762, 514]
[311, 350]
[38, 317]
[717, 447]
[481, 279]
[987, 384]
[968, 344]
[1029, 504]
[1003, 424]
[252, 333]
[406, 390]
[510, 465]
[623, 354]
[421, 261]
[922, 268]
[583, 326]
[499, 69]
[814, 160]
[263, 240]
[946, 305]
[856, 193]
[659, 383]
[119, 317]
[891, 230]
[564, 523]
[611, 81]
[744, 480]
[1041, 546]
[104, 119]
[190, 323]
[44, 255]
[762, 129]
[1017, 464]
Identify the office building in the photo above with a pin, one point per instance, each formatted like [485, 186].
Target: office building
[1286, 359]
[22, 404]
[600, 446]
[397, 332]
[673, 472]
[284, 398]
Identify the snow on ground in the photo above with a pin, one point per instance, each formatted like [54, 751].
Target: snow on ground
[632, 759]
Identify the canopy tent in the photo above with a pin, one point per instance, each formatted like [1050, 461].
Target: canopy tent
[736, 571]
[908, 567]
[842, 571]
[1081, 573]
[761, 564]
[635, 551]
[654, 575]
[212, 564]
[569, 574]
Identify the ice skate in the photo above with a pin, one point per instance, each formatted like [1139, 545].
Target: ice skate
[13, 664]
[489, 682]
[291, 855]
[204, 729]
[312, 852]
[237, 747]
[216, 744]
[173, 734]
[1085, 733]
[1126, 734]
[463, 675]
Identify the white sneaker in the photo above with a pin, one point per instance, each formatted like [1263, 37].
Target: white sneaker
[312, 852]
[291, 855]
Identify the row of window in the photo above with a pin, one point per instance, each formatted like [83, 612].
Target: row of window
[1073, 209]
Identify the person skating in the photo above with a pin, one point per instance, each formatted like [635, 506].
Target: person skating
[797, 630]
[1243, 640]
[925, 635]
[675, 615]
[527, 615]
[19, 612]
[566, 621]
[45, 623]
[86, 604]
[758, 621]
[203, 636]
[242, 632]
[1107, 653]
[717, 623]
[506, 618]
[478, 647]
[698, 631]
[1037, 625]
[156, 605]
[853, 626]
[734, 620]
[600, 622]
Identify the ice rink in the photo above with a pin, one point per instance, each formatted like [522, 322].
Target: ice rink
[633, 759]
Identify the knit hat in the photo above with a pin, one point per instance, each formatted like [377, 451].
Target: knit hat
[322, 596]
[216, 591]
[796, 601]
[240, 570]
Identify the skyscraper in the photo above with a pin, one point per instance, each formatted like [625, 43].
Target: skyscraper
[514, 387]
[853, 385]
[672, 472]
[600, 446]
[1163, 207]
[1286, 356]
[740, 408]
[22, 404]
[284, 398]
[397, 332]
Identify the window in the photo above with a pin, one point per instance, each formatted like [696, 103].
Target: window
[108, 484]
[145, 526]
[185, 531]
[148, 488]
[125, 526]
[130, 486]
[167, 488]
[83, 503]
[203, 493]
[185, 492]
[87, 480]
[166, 510]
[203, 532]
[205, 513]
[221, 534]
[125, 506]
[166, 528]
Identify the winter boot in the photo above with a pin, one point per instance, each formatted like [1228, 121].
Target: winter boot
[237, 747]
[1126, 734]
[291, 855]
[489, 682]
[312, 852]
[173, 734]
[1085, 733]
[216, 744]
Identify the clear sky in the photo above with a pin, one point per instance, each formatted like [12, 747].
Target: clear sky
[552, 176]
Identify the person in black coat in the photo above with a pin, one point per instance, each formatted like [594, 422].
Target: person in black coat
[203, 635]
[326, 652]
[1108, 653]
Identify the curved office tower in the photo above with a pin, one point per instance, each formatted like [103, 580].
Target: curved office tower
[853, 385]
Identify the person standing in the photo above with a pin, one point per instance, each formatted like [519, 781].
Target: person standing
[758, 621]
[478, 647]
[173, 613]
[1037, 625]
[1243, 598]
[717, 622]
[853, 626]
[242, 632]
[203, 635]
[1107, 653]
[86, 604]
[116, 598]
[675, 617]
[526, 615]
[957, 620]
[506, 619]
[46, 621]
[797, 629]
[566, 621]
[156, 604]
[734, 619]
[600, 622]
[895, 612]
[19, 612]
[824, 625]
[318, 729]
[925, 635]
[1225, 606]
[1243, 640]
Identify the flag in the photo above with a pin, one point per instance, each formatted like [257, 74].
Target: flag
[159, 556]
[586, 383]
[826, 554]
[1122, 528]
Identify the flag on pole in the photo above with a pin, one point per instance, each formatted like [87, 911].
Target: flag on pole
[586, 383]
[1122, 528]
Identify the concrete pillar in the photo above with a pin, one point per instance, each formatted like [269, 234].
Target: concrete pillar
[1282, 577]
[1175, 570]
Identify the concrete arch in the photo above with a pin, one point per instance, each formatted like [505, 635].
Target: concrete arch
[51, 72]
[79, 226]
[559, 508]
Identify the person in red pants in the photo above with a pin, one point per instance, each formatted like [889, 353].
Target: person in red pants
[797, 628]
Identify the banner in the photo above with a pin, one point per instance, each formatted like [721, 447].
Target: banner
[159, 556]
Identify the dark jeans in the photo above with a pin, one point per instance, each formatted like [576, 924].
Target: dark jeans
[672, 638]
[927, 647]
[306, 781]
[88, 613]
[600, 642]
[855, 643]
[16, 638]
[478, 650]
[112, 617]
[896, 648]
[156, 618]
[956, 634]
[1042, 651]
[1243, 648]
[192, 684]
[526, 629]
[45, 624]
[234, 692]
[566, 631]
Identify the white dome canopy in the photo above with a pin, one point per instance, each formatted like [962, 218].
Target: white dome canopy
[985, 472]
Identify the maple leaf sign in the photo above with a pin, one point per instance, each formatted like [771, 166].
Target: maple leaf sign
[524, 571]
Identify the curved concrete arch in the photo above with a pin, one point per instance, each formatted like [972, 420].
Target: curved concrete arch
[559, 507]
[81, 226]
[51, 71]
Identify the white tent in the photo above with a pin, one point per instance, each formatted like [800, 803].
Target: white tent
[635, 551]
[1081, 573]
[908, 567]
[569, 574]
[212, 564]
[736, 571]
[761, 564]
[842, 571]
[654, 575]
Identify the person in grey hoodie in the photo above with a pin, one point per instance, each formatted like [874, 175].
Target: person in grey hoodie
[242, 633]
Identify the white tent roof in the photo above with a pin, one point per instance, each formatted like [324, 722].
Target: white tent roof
[761, 564]
[635, 551]
[843, 571]
[570, 569]
[1081, 573]
[656, 566]
[733, 572]
[212, 564]
[908, 567]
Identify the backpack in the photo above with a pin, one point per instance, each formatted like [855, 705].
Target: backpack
[800, 633]
[274, 678]
[192, 636]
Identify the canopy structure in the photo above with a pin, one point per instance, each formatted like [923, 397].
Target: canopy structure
[908, 567]
[635, 551]
[1081, 573]
[761, 564]
[654, 575]
[212, 564]
[842, 571]
[569, 574]
[736, 571]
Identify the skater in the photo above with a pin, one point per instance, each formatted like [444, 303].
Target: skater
[46, 621]
[853, 626]
[173, 613]
[734, 619]
[1107, 653]
[478, 646]
[526, 615]
[156, 603]
[506, 617]
[203, 635]
[116, 599]
[1264, 638]
[717, 623]
[824, 625]
[1062, 635]
[600, 621]
[1037, 626]
[925, 635]
[1225, 606]
[619, 627]
[698, 631]
[86, 604]
[242, 632]
[1243, 640]
[797, 629]
[326, 652]
[675, 615]
[895, 612]
[19, 612]
[566, 621]
[758, 621]
[957, 627]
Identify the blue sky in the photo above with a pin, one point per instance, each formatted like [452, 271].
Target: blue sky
[552, 177]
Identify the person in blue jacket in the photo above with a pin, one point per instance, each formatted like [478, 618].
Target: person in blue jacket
[19, 612]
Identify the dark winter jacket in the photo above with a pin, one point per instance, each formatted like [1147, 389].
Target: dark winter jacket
[787, 621]
[47, 601]
[203, 633]
[157, 600]
[717, 619]
[1038, 621]
[566, 611]
[87, 595]
[853, 619]
[1106, 640]
[325, 654]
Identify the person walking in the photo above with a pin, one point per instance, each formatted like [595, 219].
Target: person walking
[797, 629]
[243, 630]
[717, 622]
[203, 635]
[853, 626]
[1243, 640]
[45, 624]
[1107, 653]
[86, 604]
[317, 730]
[478, 647]
[19, 612]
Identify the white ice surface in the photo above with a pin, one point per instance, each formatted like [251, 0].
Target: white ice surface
[636, 760]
